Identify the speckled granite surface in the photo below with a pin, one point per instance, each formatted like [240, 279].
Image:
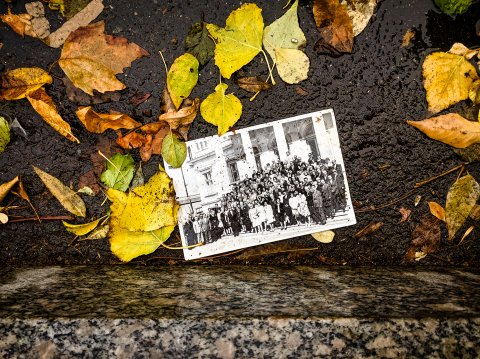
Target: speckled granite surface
[97, 312]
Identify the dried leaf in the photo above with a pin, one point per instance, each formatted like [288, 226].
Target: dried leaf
[6, 187]
[119, 172]
[405, 214]
[18, 83]
[437, 210]
[100, 122]
[99, 233]
[199, 44]
[475, 213]
[452, 129]
[324, 237]
[182, 78]
[91, 59]
[335, 26]
[86, 190]
[240, 41]
[81, 229]
[89, 180]
[174, 151]
[460, 49]
[408, 37]
[417, 200]
[461, 199]
[447, 79]
[184, 116]
[420, 255]
[426, 235]
[252, 84]
[22, 193]
[221, 110]
[292, 65]
[360, 11]
[43, 104]
[4, 134]
[82, 18]
[301, 91]
[78, 96]
[139, 98]
[18, 23]
[467, 232]
[368, 229]
[67, 198]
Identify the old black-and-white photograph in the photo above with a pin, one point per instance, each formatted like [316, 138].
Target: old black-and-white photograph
[262, 184]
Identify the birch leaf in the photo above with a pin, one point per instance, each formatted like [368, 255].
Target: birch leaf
[447, 80]
[461, 199]
[18, 83]
[182, 78]
[4, 134]
[239, 41]
[199, 44]
[100, 122]
[81, 229]
[221, 110]
[452, 129]
[324, 237]
[91, 59]
[474, 93]
[174, 151]
[67, 198]
[119, 172]
[292, 65]
[360, 11]
[44, 105]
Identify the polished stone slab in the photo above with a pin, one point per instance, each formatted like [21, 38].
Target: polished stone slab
[229, 312]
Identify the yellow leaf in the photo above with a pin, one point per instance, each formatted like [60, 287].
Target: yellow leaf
[182, 78]
[81, 229]
[452, 129]
[447, 79]
[91, 59]
[324, 237]
[437, 210]
[240, 41]
[145, 208]
[360, 11]
[461, 199]
[18, 83]
[67, 198]
[221, 110]
[292, 65]
[474, 93]
[467, 232]
[43, 104]
[6, 187]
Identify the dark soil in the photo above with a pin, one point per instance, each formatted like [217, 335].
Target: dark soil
[372, 91]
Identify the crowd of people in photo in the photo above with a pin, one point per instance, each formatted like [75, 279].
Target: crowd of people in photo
[284, 193]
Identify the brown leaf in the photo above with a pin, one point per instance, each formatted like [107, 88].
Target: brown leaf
[335, 26]
[22, 193]
[43, 104]
[91, 59]
[368, 229]
[149, 138]
[139, 98]
[301, 91]
[6, 187]
[475, 213]
[78, 96]
[426, 235]
[253, 84]
[452, 129]
[405, 214]
[184, 116]
[19, 23]
[100, 122]
[108, 149]
[408, 37]
[88, 179]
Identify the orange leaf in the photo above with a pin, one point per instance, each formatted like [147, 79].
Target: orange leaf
[43, 104]
[184, 116]
[100, 122]
[452, 129]
[437, 210]
[19, 23]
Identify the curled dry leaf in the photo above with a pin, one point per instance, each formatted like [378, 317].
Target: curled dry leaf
[221, 110]
[100, 122]
[324, 237]
[6, 187]
[461, 199]
[239, 41]
[43, 104]
[460, 49]
[447, 79]
[437, 210]
[81, 229]
[91, 59]
[22, 193]
[360, 11]
[67, 198]
[182, 78]
[18, 83]
[253, 84]
[467, 232]
[181, 118]
[174, 151]
[368, 229]
[405, 214]
[335, 26]
[452, 129]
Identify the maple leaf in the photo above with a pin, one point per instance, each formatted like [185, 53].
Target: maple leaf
[335, 26]
[91, 59]
[100, 122]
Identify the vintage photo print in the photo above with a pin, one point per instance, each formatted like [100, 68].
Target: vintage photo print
[262, 184]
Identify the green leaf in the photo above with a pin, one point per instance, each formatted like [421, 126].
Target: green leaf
[182, 78]
[81, 229]
[119, 172]
[199, 44]
[221, 110]
[174, 151]
[453, 7]
[460, 201]
[4, 134]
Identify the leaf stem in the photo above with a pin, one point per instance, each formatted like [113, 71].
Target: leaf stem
[268, 65]
[164, 63]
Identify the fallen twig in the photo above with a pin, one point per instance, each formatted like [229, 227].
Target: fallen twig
[388, 204]
[46, 218]
[420, 184]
